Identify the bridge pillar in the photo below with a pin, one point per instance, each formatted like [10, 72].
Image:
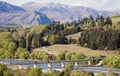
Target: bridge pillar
[49, 66]
[76, 65]
[20, 66]
[100, 63]
[34, 66]
[89, 63]
[62, 65]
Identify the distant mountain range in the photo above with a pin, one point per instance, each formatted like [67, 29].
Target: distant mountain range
[14, 15]
[65, 13]
[36, 13]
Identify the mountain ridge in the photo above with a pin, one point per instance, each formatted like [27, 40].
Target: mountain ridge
[32, 13]
[7, 7]
[64, 13]
[15, 15]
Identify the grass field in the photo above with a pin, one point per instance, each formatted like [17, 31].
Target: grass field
[74, 36]
[55, 49]
[115, 19]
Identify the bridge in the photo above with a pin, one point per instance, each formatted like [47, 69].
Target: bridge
[20, 63]
[27, 62]
[58, 65]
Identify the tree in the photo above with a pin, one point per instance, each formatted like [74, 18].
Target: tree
[108, 21]
[61, 56]
[68, 56]
[113, 74]
[16, 73]
[53, 73]
[35, 72]
[22, 53]
[7, 73]
[36, 41]
[33, 43]
[21, 42]
[101, 74]
[81, 73]
[90, 18]
[2, 69]
[12, 46]
[28, 41]
[113, 61]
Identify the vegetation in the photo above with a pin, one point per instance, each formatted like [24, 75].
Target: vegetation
[101, 74]
[98, 34]
[34, 72]
[101, 39]
[113, 61]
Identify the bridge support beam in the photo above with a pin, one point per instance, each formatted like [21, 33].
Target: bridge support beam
[49, 66]
[34, 66]
[62, 65]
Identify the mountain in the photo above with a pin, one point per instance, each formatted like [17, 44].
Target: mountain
[23, 18]
[6, 7]
[63, 13]
[44, 13]
[14, 15]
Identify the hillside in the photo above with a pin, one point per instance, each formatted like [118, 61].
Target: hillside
[115, 19]
[58, 48]
[74, 36]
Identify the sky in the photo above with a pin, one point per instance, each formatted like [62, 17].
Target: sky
[95, 4]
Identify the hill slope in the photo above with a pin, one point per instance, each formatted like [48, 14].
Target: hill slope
[58, 48]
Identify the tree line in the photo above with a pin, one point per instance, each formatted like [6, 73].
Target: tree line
[101, 39]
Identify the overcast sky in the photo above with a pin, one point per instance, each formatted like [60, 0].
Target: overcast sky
[96, 4]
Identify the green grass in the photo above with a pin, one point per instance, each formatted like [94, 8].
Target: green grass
[74, 36]
[4, 35]
[58, 48]
[37, 29]
[115, 19]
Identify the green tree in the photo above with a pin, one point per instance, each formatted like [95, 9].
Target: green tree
[7, 73]
[61, 56]
[35, 72]
[108, 21]
[113, 61]
[12, 46]
[2, 69]
[101, 74]
[28, 41]
[113, 74]
[22, 53]
[16, 73]
[81, 73]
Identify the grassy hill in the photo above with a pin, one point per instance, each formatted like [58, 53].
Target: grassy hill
[58, 48]
[115, 19]
[74, 36]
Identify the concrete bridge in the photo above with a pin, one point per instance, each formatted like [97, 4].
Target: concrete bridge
[62, 62]
[49, 65]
